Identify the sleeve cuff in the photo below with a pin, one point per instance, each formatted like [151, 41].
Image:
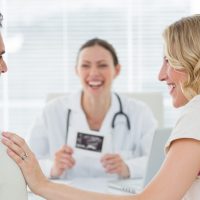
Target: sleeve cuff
[137, 167]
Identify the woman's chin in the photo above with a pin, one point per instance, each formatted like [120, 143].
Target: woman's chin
[179, 103]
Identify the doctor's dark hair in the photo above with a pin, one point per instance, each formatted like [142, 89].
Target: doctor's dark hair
[103, 43]
[1, 19]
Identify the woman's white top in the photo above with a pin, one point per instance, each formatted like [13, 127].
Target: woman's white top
[188, 126]
[12, 183]
[49, 131]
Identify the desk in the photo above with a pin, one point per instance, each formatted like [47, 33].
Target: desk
[90, 184]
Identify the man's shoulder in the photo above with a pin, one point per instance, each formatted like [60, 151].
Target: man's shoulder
[12, 182]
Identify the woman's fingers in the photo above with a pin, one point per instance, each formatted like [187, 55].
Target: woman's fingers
[17, 145]
[20, 142]
[19, 151]
[16, 157]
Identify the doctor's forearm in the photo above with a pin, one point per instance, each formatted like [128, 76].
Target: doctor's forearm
[53, 191]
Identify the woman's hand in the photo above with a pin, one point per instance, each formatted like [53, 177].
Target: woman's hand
[63, 161]
[19, 151]
[113, 163]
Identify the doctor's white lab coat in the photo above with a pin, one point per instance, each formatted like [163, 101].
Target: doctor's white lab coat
[49, 131]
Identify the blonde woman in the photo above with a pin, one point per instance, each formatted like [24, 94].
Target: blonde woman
[178, 177]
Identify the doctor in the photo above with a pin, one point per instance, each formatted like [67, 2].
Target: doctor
[127, 125]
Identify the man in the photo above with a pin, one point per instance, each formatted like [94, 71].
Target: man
[12, 184]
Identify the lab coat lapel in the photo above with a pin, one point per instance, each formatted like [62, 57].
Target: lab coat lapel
[107, 122]
[78, 118]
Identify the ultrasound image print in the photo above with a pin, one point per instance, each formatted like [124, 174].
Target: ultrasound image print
[89, 142]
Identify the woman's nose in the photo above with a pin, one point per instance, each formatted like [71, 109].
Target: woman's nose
[162, 74]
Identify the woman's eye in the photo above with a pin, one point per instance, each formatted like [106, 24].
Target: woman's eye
[165, 60]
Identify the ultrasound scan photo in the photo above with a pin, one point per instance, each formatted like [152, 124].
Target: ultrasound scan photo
[89, 142]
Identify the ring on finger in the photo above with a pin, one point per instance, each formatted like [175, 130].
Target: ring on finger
[24, 156]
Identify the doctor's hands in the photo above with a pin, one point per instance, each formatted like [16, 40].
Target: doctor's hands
[19, 151]
[114, 164]
[63, 161]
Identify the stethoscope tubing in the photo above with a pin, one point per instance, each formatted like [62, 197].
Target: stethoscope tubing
[120, 112]
[67, 125]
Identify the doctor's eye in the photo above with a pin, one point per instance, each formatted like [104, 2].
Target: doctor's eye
[103, 65]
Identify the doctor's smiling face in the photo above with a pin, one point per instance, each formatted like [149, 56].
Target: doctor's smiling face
[97, 67]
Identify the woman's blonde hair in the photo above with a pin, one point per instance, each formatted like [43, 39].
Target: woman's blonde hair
[182, 49]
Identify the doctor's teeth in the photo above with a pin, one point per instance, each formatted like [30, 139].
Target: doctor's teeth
[95, 83]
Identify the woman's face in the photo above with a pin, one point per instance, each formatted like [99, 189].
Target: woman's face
[3, 67]
[174, 78]
[96, 70]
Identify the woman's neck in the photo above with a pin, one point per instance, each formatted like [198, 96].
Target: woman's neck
[95, 109]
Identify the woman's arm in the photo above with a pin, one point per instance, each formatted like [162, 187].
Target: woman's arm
[54, 191]
[36, 180]
[179, 170]
[175, 177]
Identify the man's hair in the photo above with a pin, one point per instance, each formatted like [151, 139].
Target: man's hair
[1, 18]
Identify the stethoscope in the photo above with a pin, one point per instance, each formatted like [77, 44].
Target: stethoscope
[122, 113]
[117, 114]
